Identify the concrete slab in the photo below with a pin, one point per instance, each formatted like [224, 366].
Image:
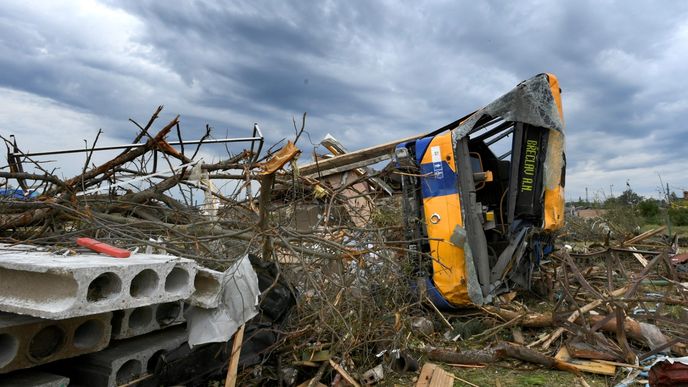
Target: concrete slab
[33, 378]
[126, 360]
[145, 319]
[51, 286]
[28, 341]
[208, 285]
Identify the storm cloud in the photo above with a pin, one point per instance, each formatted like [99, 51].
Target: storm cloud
[367, 72]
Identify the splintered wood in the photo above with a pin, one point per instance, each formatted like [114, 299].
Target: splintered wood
[433, 375]
[585, 365]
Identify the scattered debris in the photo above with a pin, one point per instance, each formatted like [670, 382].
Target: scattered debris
[312, 274]
[585, 365]
[373, 375]
[423, 325]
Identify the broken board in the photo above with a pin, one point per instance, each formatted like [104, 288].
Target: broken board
[592, 367]
[433, 375]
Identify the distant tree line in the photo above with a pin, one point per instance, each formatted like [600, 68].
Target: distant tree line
[648, 209]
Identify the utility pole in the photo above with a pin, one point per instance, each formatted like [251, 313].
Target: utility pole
[668, 199]
[587, 202]
[611, 190]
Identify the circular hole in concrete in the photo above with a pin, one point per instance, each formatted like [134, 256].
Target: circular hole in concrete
[89, 334]
[103, 287]
[144, 284]
[205, 285]
[46, 342]
[168, 313]
[129, 371]
[154, 360]
[140, 317]
[8, 348]
[177, 281]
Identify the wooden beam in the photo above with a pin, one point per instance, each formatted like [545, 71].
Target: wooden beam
[433, 376]
[357, 157]
[349, 167]
[645, 235]
[344, 374]
[585, 365]
[231, 379]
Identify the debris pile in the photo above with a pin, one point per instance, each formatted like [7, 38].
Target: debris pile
[304, 281]
[174, 279]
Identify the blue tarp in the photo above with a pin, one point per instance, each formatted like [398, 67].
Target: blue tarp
[17, 193]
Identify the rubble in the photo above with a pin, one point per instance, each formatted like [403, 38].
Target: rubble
[312, 269]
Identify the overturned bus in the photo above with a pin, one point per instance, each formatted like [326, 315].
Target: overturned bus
[484, 195]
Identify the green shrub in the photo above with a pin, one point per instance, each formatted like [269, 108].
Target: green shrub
[649, 209]
[622, 219]
[678, 216]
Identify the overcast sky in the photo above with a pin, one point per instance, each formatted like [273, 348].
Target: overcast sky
[367, 72]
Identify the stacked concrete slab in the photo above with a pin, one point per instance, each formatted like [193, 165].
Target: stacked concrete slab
[56, 307]
[126, 360]
[49, 286]
[144, 319]
[28, 341]
[97, 320]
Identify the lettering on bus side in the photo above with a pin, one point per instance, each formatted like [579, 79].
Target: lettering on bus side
[529, 165]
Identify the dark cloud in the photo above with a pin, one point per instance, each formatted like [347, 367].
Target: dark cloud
[367, 72]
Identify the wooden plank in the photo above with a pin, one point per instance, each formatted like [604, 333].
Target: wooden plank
[441, 378]
[316, 356]
[348, 167]
[337, 149]
[230, 381]
[355, 157]
[639, 256]
[426, 375]
[432, 375]
[592, 367]
[616, 363]
[344, 374]
[583, 350]
[645, 235]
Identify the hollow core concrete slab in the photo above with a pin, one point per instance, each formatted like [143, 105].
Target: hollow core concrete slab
[28, 341]
[52, 286]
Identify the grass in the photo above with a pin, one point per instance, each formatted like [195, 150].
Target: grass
[506, 374]
[494, 375]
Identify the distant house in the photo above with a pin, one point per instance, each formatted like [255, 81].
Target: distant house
[588, 213]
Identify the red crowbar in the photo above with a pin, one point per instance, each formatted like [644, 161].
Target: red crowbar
[103, 248]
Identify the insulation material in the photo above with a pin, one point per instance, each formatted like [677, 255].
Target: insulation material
[537, 102]
[239, 304]
[280, 158]
[530, 102]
